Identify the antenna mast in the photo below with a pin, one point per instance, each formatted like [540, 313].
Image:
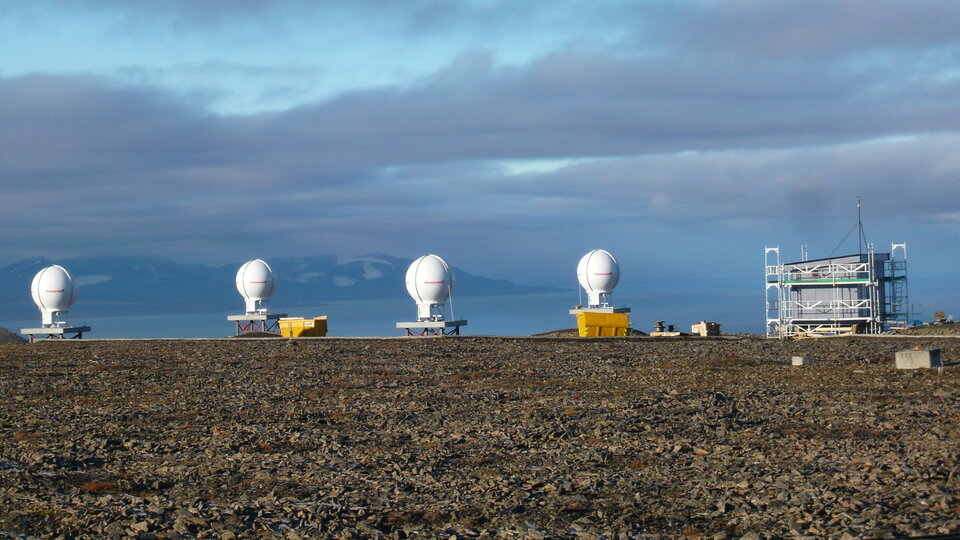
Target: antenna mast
[862, 240]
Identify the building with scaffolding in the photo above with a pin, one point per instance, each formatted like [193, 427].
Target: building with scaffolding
[859, 293]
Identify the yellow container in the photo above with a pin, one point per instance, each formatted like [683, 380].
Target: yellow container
[300, 327]
[591, 323]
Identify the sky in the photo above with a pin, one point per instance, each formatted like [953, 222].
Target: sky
[508, 137]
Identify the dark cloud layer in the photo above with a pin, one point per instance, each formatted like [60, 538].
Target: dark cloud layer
[821, 27]
[746, 118]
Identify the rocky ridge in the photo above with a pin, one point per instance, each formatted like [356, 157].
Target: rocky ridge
[8, 337]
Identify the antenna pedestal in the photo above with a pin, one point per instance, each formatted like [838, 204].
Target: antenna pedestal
[599, 299]
[427, 311]
[55, 332]
[257, 322]
[50, 319]
[256, 307]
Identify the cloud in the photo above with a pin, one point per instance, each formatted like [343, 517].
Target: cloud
[255, 55]
[905, 178]
[94, 167]
[818, 28]
[577, 104]
[412, 19]
[752, 28]
[721, 119]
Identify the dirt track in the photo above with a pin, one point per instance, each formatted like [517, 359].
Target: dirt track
[477, 437]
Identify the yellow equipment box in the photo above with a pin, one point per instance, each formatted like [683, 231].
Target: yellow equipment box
[591, 323]
[300, 327]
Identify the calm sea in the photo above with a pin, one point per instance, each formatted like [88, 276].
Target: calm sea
[486, 315]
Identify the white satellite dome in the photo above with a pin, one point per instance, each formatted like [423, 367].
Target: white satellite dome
[256, 284]
[54, 292]
[430, 282]
[598, 273]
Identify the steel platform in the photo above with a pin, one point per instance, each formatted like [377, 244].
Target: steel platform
[55, 332]
[432, 328]
[575, 311]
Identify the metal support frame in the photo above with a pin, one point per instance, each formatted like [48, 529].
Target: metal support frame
[773, 291]
[881, 302]
[455, 331]
[263, 322]
[55, 332]
[432, 328]
[258, 326]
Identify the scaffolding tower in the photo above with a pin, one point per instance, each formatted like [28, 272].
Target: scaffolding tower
[859, 293]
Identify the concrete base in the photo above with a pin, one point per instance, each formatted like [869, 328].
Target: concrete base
[575, 311]
[918, 359]
[802, 361]
[432, 328]
[55, 332]
[666, 334]
[257, 322]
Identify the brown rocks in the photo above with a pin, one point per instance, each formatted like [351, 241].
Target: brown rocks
[477, 438]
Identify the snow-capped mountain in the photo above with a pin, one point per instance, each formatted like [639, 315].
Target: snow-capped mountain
[118, 285]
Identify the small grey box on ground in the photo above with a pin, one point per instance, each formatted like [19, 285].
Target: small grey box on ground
[918, 359]
[803, 361]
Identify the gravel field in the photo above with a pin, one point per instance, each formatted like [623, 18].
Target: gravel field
[478, 437]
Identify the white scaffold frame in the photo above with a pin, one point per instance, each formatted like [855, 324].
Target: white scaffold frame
[883, 306]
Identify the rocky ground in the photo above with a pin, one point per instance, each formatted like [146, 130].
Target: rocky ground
[942, 329]
[477, 437]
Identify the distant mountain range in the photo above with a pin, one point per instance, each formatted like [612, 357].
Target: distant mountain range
[144, 285]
